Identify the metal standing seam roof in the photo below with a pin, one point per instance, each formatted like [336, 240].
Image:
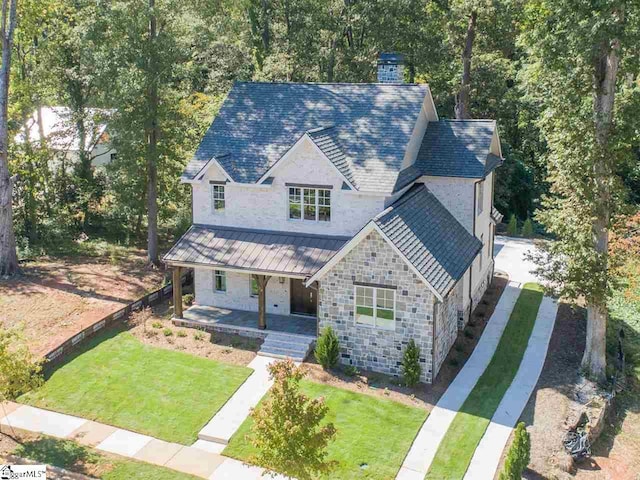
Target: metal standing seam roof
[426, 233]
[254, 250]
[259, 122]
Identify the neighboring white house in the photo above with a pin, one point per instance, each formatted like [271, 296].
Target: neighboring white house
[369, 214]
[61, 135]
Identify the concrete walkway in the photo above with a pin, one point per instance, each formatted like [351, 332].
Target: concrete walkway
[224, 424]
[196, 460]
[487, 456]
[510, 258]
[424, 447]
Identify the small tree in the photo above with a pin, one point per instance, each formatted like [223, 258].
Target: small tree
[512, 226]
[19, 371]
[327, 351]
[527, 228]
[287, 431]
[518, 456]
[411, 369]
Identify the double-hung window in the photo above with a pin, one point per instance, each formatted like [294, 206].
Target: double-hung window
[219, 281]
[375, 307]
[310, 204]
[480, 197]
[217, 197]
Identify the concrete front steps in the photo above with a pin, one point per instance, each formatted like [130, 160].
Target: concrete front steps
[283, 345]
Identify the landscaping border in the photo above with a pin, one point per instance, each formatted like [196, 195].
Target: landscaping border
[153, 298]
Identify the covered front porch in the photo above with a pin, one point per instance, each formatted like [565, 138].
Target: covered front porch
[242, 273]
[245, 323]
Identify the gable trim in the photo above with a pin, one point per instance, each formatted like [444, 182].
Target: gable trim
[198, 177]
[351, 244]
[283, 159]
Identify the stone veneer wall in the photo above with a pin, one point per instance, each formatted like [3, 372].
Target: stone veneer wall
[374, 261]
[446, 325]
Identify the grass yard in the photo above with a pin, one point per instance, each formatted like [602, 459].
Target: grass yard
[77, 458]
[373, 434]
[115, 379]
[459, 444]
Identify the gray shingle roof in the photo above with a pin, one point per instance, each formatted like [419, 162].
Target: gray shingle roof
[435, 243]
[254, 250]
[259, 122]
[453, 148]
[327, 140]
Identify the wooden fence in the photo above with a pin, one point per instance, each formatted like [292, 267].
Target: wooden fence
[149, 300]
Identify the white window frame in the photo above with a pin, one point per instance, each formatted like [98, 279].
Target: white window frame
[375, 307]
[251, 294]
[317, 204]
[218, 194]
[222, 274]
[480, 201]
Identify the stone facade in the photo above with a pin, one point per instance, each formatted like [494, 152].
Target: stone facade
[374, 261]
[391, 73]
[446, 325]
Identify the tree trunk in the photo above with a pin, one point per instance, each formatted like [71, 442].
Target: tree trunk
[594, 360]
[152, 144]
[8, 256]
[605, 73]
[266, 27]
[463, 97]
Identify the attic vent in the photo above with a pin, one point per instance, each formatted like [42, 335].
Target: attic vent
[390, 68]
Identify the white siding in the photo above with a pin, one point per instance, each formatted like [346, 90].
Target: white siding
[266, 208]
[238, 293]
[456, 194]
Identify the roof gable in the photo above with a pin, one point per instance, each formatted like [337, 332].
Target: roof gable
[259, 122]
[425, 235]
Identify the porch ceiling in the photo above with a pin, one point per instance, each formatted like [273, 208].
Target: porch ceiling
[254, 251]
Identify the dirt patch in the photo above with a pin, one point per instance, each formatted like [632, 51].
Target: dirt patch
[423, 396]
[54, 299]
[158, 331]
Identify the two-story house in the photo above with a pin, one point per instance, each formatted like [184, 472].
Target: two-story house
[345, 205]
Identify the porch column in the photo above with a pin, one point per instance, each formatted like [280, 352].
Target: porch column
[177, 292]
[262, 281]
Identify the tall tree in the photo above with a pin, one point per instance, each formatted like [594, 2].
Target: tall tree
[463, 96]
[152, 129]
[8, 255]
[575, 57]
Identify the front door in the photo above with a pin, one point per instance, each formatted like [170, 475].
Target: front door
[304, 301]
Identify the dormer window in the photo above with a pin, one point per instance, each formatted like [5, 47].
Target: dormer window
[217, 197]
[306, 203]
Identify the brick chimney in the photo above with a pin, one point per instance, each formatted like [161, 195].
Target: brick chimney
[390, 68]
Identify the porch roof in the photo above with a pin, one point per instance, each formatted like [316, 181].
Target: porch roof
[254, 251]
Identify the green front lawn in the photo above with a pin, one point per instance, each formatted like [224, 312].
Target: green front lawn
[459, 444]
[373, 434]
[77, 458]
[117, 380]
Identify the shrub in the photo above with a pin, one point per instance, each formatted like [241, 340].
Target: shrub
[411, 369]
[167, 332]
[188, 299]
[198, 336]
[351, 371]
[512, 226]
[287, 428]
[20, 371]
[156, 325]
[181, 333]
[468, 333]
[327, 349]
[527, 228]
[518, 456]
